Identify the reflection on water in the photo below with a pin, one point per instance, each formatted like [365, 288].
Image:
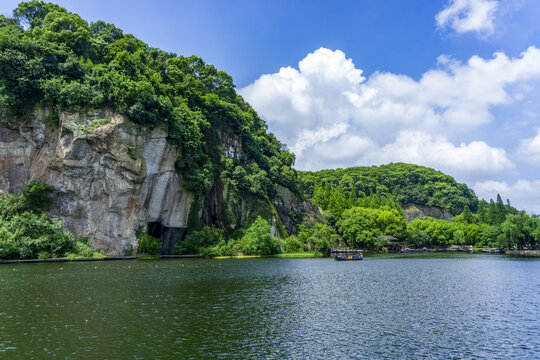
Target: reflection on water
[460, 306]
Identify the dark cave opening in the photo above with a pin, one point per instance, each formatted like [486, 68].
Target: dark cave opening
[168, 236]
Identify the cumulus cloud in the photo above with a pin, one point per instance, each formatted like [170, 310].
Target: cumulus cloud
[523, 194]
[469, 15]
[476, 158]
[309, 98]
[529, 149]
[324, 106]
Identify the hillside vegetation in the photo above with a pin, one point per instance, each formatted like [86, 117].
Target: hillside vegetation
[404, 183]
[363, 203]
[53, 58]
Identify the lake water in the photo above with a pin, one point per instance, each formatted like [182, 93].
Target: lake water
[458, 306]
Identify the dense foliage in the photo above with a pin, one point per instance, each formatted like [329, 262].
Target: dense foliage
[512, 229]
[494, 225]
[27, 232]
[53, 58]
[340, 189]
[364, 206]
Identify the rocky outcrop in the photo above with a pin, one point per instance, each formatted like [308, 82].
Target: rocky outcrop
[413, 211]
[112, 178]
[288, 205]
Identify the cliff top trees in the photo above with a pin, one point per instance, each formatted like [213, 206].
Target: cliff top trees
[53, 58]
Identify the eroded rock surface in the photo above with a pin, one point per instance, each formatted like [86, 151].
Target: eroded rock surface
[413, 211]
[112, 178]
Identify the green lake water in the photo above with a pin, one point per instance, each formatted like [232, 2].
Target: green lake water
[411, 307]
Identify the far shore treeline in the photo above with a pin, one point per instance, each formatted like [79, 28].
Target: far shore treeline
[52, 58]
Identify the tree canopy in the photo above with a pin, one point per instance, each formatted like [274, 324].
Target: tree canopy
[50, 57]
[404, 183]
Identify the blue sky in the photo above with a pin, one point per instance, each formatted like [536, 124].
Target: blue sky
[450, 84]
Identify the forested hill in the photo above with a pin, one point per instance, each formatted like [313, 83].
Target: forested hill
[404, 183]
[53, 58]
[93, 100]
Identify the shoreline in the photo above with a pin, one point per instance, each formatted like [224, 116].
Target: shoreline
[524, 253]
[515, 253]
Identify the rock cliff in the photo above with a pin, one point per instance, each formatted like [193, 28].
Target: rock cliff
[112, 177]
[413, 211]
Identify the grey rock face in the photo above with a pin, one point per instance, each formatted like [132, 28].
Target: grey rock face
[287, 203]
[110, 178]
[413, 211]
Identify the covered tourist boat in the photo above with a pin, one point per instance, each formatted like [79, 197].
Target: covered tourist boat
[347, 254]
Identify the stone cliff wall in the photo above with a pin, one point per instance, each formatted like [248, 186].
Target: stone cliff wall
[413, 211]
[112, 177]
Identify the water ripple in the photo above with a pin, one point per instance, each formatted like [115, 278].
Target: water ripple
[385, 307]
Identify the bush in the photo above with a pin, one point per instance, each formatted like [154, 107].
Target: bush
[148, 245]
[27, 232]
[193, 242]
[292, 244]
[257, 240]
[36, 197]
[82, 248]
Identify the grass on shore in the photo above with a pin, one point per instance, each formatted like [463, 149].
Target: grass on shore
[237, 257]
[301, 255]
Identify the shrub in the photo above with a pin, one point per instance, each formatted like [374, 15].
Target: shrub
[36, 197]
[26, 231]
[82, 248]
[292, 244]
[257, 240]
[148, 245]
[195, 240]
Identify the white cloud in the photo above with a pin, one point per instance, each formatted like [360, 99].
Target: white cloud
[467, 161]
[326, 109]
[310, 98]
[308, 137]
[469, 15]
[523, 194]
[476, 159]
[529, 149]
[342, 151]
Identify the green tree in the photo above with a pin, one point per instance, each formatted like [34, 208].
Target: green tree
[519, 230]
[34, 12]
[358, 227]
[292, 245]
[482, 213]
[257, 239]
[459, 237]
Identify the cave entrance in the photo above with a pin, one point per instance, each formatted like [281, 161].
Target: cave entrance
[155, 229]
[168, 236]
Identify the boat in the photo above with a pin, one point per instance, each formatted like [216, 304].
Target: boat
[348, 257]
[347, 254]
